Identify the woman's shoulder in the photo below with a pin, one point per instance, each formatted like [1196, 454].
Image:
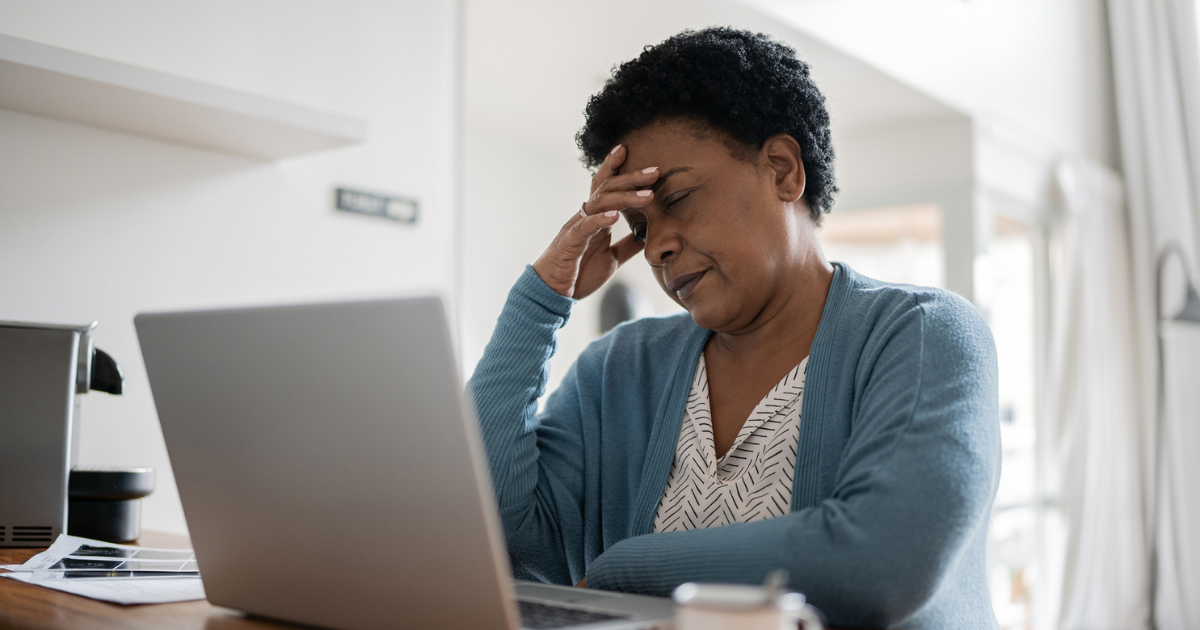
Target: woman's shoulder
[894, 337]
[870, 308]
[866, 295]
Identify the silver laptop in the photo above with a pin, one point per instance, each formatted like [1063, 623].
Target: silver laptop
[332, 473]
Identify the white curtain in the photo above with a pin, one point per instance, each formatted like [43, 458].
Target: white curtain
[1178, 604]
[1092, 417]
[1156, 71]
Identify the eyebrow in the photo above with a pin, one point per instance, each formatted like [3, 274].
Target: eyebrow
[665, 176]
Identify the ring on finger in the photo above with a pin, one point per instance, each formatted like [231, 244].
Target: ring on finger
[582, 210]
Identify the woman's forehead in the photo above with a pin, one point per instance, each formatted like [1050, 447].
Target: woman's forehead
[673, 144]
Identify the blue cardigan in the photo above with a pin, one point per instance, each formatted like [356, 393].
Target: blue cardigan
[896, 470]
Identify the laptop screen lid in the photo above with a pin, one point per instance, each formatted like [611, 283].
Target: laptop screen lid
[330, 470]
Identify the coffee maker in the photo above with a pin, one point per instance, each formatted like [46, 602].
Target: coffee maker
[43, 369]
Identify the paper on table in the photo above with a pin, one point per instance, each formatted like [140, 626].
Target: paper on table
[127, 591]
[108, 554]
[118, 576]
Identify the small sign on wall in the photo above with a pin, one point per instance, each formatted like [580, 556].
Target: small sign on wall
[396, 208]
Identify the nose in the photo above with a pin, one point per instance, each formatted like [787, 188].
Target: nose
[662, 242]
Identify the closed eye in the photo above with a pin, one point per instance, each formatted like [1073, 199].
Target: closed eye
[676, 197]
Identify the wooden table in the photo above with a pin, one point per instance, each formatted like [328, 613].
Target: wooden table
[28, 607]
[25, 606]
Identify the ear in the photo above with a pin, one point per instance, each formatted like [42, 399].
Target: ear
[782, 153]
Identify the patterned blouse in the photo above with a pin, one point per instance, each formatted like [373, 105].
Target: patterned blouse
[753, 480]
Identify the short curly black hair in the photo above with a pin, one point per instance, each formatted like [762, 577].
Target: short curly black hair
[735, 81]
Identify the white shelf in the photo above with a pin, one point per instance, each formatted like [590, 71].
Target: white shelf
[49, 81]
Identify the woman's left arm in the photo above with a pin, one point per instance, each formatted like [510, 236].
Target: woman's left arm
[914, 488]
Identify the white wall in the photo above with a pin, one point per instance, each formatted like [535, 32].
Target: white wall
[1041, 66]
[98, 225]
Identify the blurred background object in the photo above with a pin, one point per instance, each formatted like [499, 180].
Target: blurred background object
[618, 304]
[44, 370]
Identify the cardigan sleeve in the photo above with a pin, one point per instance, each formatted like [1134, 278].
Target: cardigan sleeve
[913, 491]
[534, 458]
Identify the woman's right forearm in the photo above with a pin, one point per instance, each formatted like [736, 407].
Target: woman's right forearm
[538, 495]
[511, 377]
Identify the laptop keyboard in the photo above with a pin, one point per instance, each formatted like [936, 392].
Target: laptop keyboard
[537, 616]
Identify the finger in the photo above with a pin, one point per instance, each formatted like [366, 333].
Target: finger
[583, 230]
[577, 233]
[619, 200]
[627, 248]
[609, 166]
[628, 181]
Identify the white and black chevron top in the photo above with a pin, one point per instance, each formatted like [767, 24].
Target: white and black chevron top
[751, 482]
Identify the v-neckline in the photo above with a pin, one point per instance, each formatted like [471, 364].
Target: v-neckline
[699, 412]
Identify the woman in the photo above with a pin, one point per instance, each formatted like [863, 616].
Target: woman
[799, 415]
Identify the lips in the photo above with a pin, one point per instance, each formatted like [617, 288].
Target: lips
[682, 286]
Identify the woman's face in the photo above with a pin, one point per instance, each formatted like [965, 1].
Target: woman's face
[724, 236]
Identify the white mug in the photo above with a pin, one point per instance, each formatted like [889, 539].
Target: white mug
[741, 607]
